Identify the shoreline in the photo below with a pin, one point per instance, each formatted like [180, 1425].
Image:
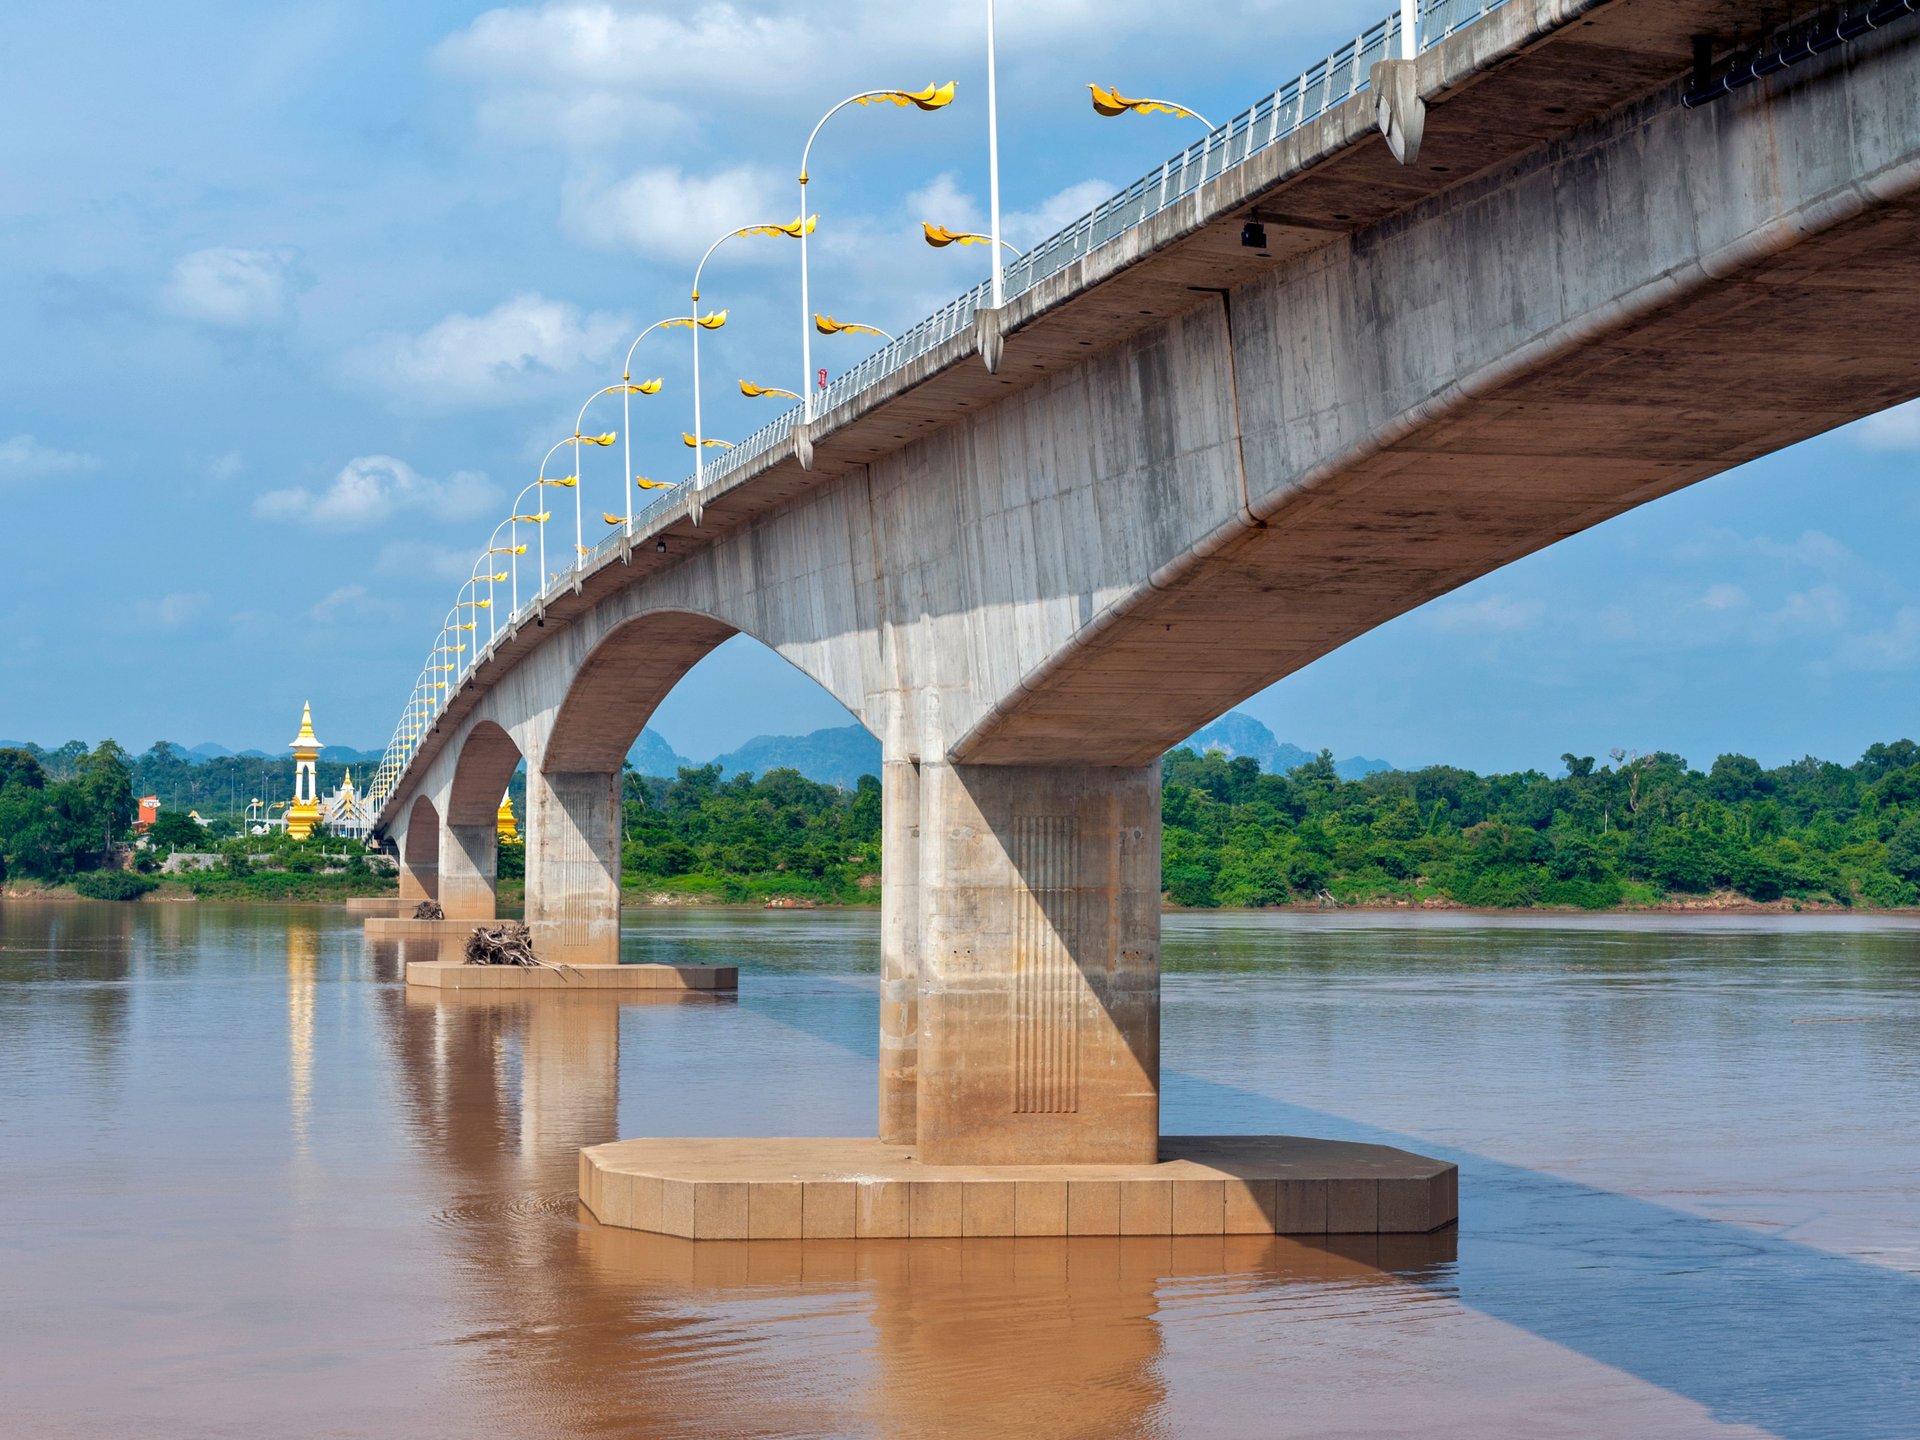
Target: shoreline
[1705, 907]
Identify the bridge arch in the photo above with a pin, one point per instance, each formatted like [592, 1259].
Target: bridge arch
[620, 684]
[488, 757]
[420, 852]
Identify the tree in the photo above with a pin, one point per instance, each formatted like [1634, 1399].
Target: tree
[172, 830]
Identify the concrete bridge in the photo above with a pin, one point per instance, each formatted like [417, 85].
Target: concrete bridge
[1322, 388]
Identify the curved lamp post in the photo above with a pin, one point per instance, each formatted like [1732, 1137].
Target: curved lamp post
[713, 321]
[1108, 101]
[827, 325]
[934, 97]
[798, 230]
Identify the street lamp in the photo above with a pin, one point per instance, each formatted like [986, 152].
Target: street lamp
[939, 237]
[754, 392]
[931, 98]
[801, 227]
[1112, 102]
[626, 390]
[827, 325]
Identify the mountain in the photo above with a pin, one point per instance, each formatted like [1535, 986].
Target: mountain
[838, 756]
[1236, 733]
[651, 755]
[208, 751]
[347, 755]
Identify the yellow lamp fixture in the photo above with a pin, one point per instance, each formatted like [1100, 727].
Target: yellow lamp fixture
[645, 484]
[712, 320]
[827, 325]
[753, 391]
[710, 443]
[606, 439]
[934, 97]
[645, 387]
[539, 519]
[793, 230]
[939, 237]
[1108, 101]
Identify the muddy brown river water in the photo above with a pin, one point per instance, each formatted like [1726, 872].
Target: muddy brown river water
[250, 1185]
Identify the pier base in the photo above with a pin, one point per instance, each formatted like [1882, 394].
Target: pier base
[763, 1189]
[458, 975]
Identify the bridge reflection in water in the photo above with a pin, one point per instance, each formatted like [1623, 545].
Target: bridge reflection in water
[578, 1328]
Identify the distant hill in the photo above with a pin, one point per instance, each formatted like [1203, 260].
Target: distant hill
[838, 756]
[208, 751]
[1236, 733]
[345, 755]
[652, 755]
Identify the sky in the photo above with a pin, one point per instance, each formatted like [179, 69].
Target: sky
[293, 298]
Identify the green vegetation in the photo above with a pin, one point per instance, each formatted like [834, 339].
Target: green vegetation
[66, 817]
[53, 825]
[113, 884]
[1644, 830]
[745, 839]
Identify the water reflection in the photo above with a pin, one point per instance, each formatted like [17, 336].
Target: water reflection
[252, 1184]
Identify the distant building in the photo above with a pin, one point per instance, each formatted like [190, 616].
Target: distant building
[148, 813]
[304, 813]
[345, 813]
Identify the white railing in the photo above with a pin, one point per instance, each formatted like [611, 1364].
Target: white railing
[1300, 101]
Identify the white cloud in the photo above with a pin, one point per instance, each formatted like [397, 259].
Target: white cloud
[663, 212]
[353, 602]
[1895, 648]
[1823, 607]
[595, 74]
[416, 559]
[372, 489]
[1895, 429]
[1723, 598]
[1494, 615]
[225, 467]
[232, 288]
[1027, 228]
[475, 360]
[171, 611]
[25, 458]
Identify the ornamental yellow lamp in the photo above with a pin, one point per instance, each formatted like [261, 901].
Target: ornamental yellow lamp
[505, 829]
[1108, 101]
[304, 813]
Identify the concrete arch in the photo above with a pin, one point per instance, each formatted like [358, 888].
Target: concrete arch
[420, 852]
[486, 762]
[621, 682]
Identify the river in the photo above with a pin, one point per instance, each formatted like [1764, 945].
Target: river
[251, 1185]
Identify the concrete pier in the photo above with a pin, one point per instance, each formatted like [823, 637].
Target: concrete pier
[748, 1189]
[458, 975]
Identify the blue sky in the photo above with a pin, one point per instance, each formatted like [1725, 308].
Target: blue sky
[296, 296]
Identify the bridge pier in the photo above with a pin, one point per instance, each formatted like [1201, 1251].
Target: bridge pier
[1039, 966]
[469, 857]
[417, 883]
[900, 922]
[573, 866]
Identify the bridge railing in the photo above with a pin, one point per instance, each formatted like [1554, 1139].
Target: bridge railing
[1269, 120]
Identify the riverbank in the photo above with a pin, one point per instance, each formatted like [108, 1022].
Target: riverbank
[303, 889]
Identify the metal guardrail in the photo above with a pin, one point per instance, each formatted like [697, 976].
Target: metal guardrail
[1271, 119]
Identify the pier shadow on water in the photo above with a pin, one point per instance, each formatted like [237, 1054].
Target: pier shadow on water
[1762, 1331]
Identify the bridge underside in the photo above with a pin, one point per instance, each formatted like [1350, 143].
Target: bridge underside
[1195, 472]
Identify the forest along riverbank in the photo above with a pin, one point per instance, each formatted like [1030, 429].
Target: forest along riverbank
[1647, 832]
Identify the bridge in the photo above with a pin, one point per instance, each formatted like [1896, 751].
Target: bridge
[1400, 323]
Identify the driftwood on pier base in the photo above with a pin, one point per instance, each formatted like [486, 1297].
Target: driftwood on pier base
[508, 943]
[429, 910]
